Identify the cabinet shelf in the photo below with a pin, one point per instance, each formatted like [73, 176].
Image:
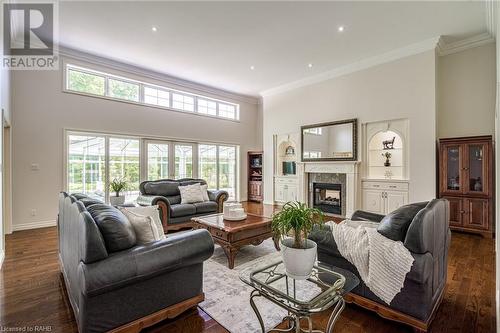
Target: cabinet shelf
[255, 192]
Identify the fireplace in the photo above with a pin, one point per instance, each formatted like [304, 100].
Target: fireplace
[328, 197]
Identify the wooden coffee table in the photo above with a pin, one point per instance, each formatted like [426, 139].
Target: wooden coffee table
[232, 235]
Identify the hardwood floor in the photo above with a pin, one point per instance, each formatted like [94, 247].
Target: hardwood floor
[32, 291]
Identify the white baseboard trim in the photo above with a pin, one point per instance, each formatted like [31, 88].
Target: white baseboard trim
[34, 225]
[2, 257]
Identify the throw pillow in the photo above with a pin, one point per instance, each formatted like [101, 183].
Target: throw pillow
[204, 192]
[151, 211]
[145, 228]
[116, 229]
[191, 194]
[395, 225]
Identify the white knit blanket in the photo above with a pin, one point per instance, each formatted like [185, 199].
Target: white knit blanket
[381, 262]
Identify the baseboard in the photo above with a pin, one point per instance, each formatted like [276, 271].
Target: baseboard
[2, 257]
[34, 225]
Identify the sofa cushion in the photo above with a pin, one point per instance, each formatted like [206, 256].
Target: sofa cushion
[205, 207]
[145, 228]
[174, 199]
[151, 211]
[182, 210]
[89, 201]
[164, 188]
[116, 229]
[395, 224]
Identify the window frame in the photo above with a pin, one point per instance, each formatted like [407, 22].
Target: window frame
[142, 85]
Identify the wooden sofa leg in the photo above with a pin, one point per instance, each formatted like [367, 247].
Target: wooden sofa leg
[164, 215]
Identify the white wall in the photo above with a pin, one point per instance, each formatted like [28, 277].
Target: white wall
[42, 111]
[6, 111]
[466, 92]
[400, 89]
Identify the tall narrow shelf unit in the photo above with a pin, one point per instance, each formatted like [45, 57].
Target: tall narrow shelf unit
[255, 192]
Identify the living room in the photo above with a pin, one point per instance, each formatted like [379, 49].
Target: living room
[161, 154]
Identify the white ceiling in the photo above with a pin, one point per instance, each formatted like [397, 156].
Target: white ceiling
[215, 43]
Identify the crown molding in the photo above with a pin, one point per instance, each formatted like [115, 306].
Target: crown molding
[444, 48]
[167, 79]
[409, 50]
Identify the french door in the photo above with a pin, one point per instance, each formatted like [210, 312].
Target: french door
[168, 159]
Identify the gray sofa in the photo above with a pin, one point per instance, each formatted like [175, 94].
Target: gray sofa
[424, 230]
[115, 284]
[165, 193]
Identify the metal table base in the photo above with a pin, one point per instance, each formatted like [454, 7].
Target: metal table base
[295, 317]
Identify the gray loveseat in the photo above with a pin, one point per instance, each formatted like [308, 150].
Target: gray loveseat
[165, 193]
[115, 284]
[424, 230]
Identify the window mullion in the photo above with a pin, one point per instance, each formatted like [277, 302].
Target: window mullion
[106, 169]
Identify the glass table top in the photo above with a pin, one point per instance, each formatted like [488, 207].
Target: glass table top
[320, 291]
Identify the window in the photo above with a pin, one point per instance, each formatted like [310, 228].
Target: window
[183, 161]
[158, 161]
[87, 81]
[207, 164]
[124, 164]
[227, 111]
[94, 160]
[156, 96]
[227, 170]
[86, 165]
[123, 90]
[207, 107]
[182, 102]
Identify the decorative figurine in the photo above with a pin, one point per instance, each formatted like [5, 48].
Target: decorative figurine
[389, 144]
[387, 156]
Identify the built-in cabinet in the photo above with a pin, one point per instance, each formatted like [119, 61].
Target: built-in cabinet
[466, 180]
[286, 184]
[383, 197]
[385, 185]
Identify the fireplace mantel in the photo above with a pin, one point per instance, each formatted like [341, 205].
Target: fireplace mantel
[350, 169]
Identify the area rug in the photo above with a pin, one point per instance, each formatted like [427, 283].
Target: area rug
[227, 297]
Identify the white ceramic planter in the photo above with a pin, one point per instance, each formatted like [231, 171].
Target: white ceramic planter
[298, 262]
[114, 200]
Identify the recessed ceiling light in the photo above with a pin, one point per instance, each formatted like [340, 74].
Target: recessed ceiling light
[252, 68]
[341, 28]
[154, 29]
[310, 65]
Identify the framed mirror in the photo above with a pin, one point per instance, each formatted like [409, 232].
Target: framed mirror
[334, 141]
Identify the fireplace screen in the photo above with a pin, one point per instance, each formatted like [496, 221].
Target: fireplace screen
[328, 197]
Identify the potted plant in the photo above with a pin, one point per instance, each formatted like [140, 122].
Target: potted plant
[387, 156]
[117, 186]
[292, 225]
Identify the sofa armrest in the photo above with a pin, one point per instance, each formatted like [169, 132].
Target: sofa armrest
[361, 215]
[144, 262]
[163, 204]
[219, 197]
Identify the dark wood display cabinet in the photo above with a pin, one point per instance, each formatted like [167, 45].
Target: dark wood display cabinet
[466, 175]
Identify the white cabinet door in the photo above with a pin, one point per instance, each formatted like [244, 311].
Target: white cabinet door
[373, 201]
[394, 200]
[279, 192]
[291, 194]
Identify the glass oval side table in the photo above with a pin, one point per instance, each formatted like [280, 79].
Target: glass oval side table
[301, 298]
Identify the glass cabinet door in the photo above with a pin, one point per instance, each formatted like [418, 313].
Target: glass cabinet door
[452, 169]
[477, 160]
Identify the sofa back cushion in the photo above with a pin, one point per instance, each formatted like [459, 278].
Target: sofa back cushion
[395, 224]
[116, 229]
[164, 188]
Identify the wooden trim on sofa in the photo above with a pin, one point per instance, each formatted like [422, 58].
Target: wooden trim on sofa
[391, 314]
[168, 313]
[180, 226]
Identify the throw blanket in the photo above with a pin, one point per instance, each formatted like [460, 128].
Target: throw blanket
[382, 263]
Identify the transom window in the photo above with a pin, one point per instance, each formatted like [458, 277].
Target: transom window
[87, 81]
